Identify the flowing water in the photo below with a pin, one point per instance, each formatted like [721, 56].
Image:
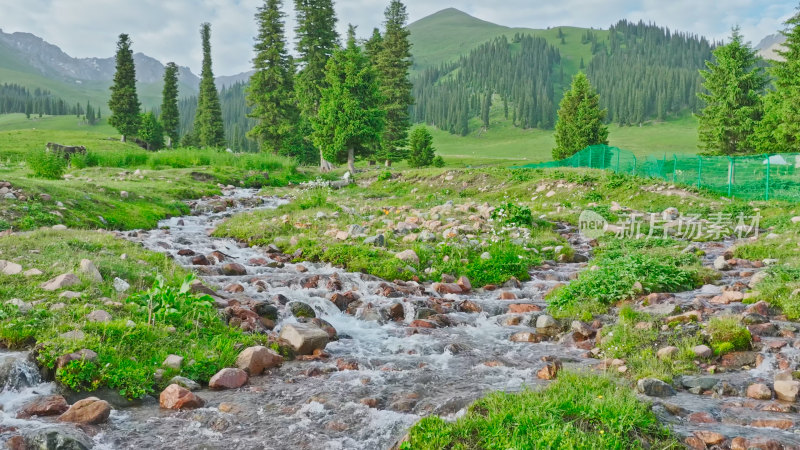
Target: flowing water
[401, 373]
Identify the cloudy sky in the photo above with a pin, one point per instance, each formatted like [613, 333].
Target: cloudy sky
[168, 29]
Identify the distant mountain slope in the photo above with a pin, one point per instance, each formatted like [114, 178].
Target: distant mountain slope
[769, 46]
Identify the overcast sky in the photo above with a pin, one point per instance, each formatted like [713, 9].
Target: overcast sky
[169, 29]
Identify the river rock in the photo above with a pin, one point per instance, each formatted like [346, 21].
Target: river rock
[737, 360]
[99, 315]
[300, 309]
[545, 322]
[233, 270]
[654, 388]
[304, 338]
[787, 390]
[46, 405]
[703, 351]
[121, 285]
[409, 256]
[185, 382]
[91, 411]
[60, 282]
[377, 240]
[255, 360]
[228, 378]
[526, 336]
[465, 284]
[447, 288]
[710, 438]
[721, 264]
[90, 271]
[759, 391]
[178, 397]
[83, 354]
[173, 362]
[60, 438]
[668, 352]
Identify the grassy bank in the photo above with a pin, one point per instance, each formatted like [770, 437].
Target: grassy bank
[130, 346]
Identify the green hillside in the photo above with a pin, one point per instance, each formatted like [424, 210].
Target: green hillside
[448, 34]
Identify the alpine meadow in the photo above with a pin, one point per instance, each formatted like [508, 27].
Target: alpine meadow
[308, 224]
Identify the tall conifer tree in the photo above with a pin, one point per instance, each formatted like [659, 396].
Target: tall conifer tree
[271, 90]
[170, 117]
[317, 39]
[124, 102]
[580, 119]
[208, 127]
[394, 62]
[350, 120]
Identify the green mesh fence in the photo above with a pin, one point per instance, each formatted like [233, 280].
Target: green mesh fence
[757, 177]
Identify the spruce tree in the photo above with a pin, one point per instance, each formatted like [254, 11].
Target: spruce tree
[735, 83]
[151, 131]
[271, 90]
[124, 102]
[350, 120]
[580, 119]
[208, 125]
[373, 46]
[420, 147]
[779, 131]
[170, 116]
[394, 62]
[317, 40]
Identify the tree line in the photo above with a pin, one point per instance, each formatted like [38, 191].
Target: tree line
[750, 108]
[15, 98]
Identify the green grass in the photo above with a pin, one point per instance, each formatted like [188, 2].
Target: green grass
[575, 411]
[129, 348]
[728, 334]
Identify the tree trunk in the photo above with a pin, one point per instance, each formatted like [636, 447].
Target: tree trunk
[324, 166]
[388, 163]
[351, 161]
[372, 162]
[169, 142]
[122, 139]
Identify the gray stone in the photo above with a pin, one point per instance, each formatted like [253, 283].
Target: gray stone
[121, 285]
[486, 256]
[545, 321]
[21, 305]
[60, 438]
[32, 273]
[300, 309]
[10, 268]
[377, 240]
[173, 362]
[703, 351]
[304, 338]
[721, 264]
[703, 383]
[185, 382]
[654, 388]
[60, 282]
[99, 316]
[409, 256]
[88, 268]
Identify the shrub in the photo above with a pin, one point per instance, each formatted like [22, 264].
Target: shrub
[313, 198]
[438, 161]
[385, 175]
[513, 215]
[727, 334]
[420, 147]
[79, 375]
[46, 164]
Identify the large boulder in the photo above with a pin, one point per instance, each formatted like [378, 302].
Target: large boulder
[178, 397]
[787, 390]
[58, 438]
[91, 411]
[228, 378]
[10, 268]
[233, 270]
[255, 360]
[304, 338]
[46, 405]
[60, 282]
[90, 271]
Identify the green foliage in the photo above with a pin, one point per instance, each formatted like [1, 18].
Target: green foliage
[170, 115]
[420, 148]
[350, 121]
[513, 215]
[438, 161]
[575, 411]
[385, 175]
[79, 375]
[208, 125]
[780, 288]
[151, 131]
[166, 304]
[124, 102]
[728, 334]
[580, 119]
[47, 164]
[393, 65]
[313, 198]
[271, 89]
[734, 82]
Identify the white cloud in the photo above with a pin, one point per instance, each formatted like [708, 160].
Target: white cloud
[169, 29]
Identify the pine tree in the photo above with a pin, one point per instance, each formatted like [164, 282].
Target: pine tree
[271, 90]
[91, 117]
[151, 131]
[735, 84]
[394, 62]
[316, 42]
[580, 119]
[208, 126]
[373, 46]
[420, 147]
[124, 102]
[350, 121]
[170, 116]
[486, 108]
[779, 131]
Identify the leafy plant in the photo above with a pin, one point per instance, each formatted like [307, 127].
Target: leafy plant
[170, 305]
[47, 164]
[79, 375]
[385, 175]
[513, 215]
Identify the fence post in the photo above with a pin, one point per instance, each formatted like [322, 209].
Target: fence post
[674, 166]
[634, 166]
[731, 168]
[699, 171]
[591, 154]
[618, 153]
[766, 193]
[603, 166]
